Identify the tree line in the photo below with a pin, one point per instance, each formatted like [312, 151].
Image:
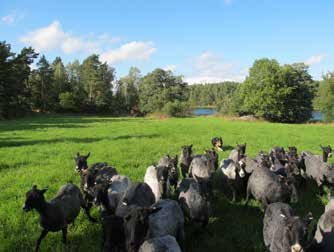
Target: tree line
[284, 93]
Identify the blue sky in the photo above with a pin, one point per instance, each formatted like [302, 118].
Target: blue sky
[206, 41]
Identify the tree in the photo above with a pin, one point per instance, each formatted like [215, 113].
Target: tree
[60, 80]
[14, 74]
[75, 86]
[128, 88]
[67, 101]
[212, 94]
[325, 97]
[41, 84]
[160, 87]
[96, 79]
[278, 93]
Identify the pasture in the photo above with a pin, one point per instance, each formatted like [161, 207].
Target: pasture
[40, 150]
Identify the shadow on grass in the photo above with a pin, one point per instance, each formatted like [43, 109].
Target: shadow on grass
[309, 200]
[89, 239]
[134, 136]
[234, 227]
[227, 147]
[43, 122]
[9, 143]
[4, 166]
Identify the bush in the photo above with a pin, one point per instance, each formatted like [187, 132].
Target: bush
[67, 101]
[175, 108]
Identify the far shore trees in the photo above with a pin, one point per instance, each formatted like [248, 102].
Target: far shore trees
[325, 97]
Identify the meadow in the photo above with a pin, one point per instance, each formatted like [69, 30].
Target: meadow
[40, 150]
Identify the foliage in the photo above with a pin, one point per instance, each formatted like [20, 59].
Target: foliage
[14, 74]
[128, 89]
[278, 93]
[96, 78]
[175, 108]
[211, 94]
[325, 97]
[67, 101]
[160, 87]
[42, 88]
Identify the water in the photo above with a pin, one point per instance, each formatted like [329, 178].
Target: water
[203, 111]
[316, 116]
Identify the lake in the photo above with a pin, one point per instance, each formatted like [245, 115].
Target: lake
[316, 116]
[203, 111]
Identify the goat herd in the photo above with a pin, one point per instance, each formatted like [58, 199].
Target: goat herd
[141, 216]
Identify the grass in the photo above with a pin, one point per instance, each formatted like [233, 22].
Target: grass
[40, 150]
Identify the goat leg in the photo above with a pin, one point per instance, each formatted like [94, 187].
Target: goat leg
[64, 230]
[41, 237]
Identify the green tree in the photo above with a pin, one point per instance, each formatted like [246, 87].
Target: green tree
[75, 85]
[160, 87]
[278, 93]
[41, 84]
[60, 80]
[128, 88]
[325, 97]
[14, 74]
[67, 101]
[96, 78]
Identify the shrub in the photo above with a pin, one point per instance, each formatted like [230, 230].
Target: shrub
[67, 101]
[175, 108]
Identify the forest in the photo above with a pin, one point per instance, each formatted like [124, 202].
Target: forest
[278, 93]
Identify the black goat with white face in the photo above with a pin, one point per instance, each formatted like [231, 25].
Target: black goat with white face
[217, 142]
[81, 162]
[326, 152]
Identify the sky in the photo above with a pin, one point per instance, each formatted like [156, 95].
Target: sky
[205, 41]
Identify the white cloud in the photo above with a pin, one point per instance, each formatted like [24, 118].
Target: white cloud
[53, 37]
[170, 68]
[210, 68]
[12, 18]
[315, 59]
[135, 50]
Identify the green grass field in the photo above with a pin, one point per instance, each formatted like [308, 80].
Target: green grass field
[40, 151]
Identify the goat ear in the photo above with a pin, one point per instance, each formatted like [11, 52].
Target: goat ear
[87, 156]
[78, 154]
[44, 190]
[34, 187]
[190, 146]
[321, 146]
